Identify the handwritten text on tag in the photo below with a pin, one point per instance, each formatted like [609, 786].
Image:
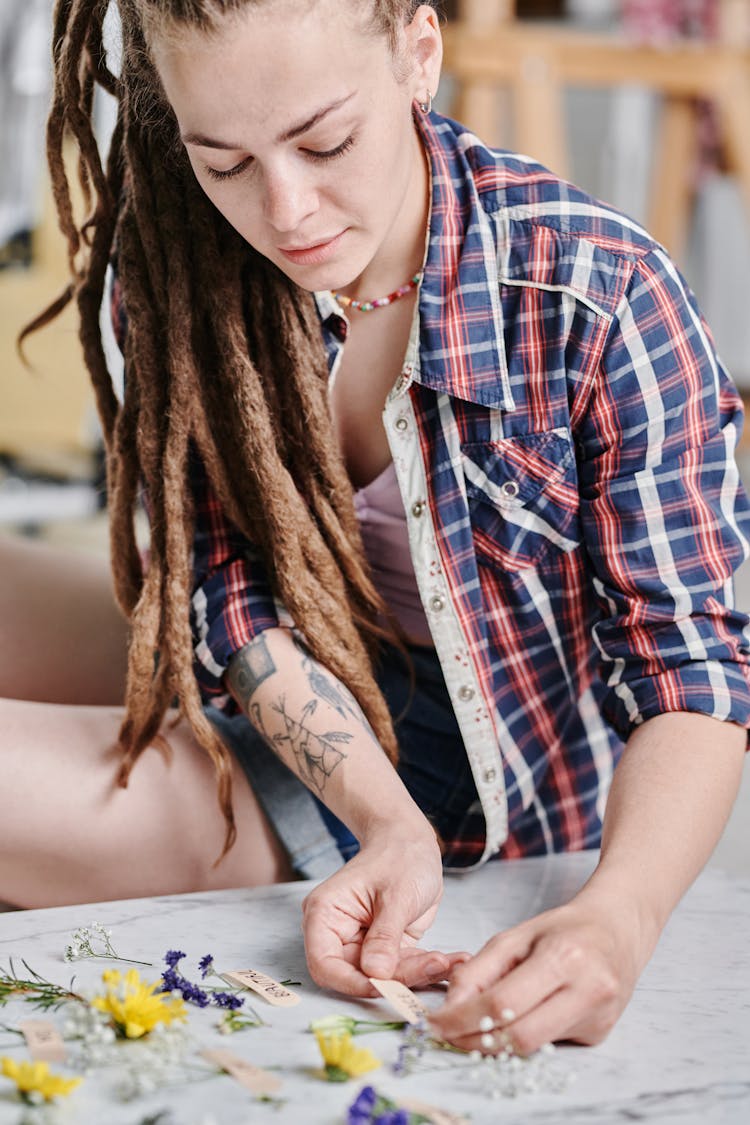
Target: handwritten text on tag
[408, 1006]
[265, 986]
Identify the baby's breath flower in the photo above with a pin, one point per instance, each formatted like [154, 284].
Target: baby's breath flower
[96, 1039]
[508, 1075]
[82, 944]
[35, 1081]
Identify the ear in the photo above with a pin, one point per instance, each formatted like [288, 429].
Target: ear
[424, 45]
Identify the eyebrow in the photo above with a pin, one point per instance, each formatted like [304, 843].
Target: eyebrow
[291, 134]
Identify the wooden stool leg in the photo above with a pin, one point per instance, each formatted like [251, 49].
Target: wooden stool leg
[674, 172]
[733, 105]
[481, 105]
[539, 116]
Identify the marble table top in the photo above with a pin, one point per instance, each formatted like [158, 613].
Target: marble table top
[680, 1053]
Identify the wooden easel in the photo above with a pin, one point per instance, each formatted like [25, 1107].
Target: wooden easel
[487, 49]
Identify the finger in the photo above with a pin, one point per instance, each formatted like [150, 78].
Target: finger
[420, 968]
[381, 948]
[548, 1022]
[333, 957]
[521, 991]
[342, 975]
[494, 960]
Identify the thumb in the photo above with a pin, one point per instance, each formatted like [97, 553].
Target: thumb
[381, 947]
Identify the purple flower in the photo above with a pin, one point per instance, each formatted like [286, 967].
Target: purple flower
[360, 1111]
[206, 965]
[170, 981]
[193, 994]
[172, 956]
[399, 1066]
[392, 1117]
[227, 1000]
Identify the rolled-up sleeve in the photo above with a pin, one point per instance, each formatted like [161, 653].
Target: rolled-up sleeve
[665, 519]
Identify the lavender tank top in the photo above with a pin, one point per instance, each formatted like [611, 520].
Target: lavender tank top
[382, 522]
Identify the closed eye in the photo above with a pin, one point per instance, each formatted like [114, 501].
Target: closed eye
[215, 174]
[332, 153]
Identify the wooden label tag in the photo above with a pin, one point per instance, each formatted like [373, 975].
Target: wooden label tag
[408, 1006]
[436, 1116]
[259, 1082]
[265, 986]
[43, 1040]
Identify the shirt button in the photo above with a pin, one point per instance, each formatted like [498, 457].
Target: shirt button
[437, 602]
[510, 489]
[466, 693]
[401, 424]
[489, 775]
[406, 370]
[417, 509]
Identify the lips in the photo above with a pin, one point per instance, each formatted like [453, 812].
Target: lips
[313, 254]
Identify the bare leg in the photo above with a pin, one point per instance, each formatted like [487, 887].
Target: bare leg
[62, 638]
[69, 834]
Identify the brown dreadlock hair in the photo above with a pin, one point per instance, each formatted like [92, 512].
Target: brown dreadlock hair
[223, 358]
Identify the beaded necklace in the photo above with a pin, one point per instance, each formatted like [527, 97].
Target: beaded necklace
[380, 302]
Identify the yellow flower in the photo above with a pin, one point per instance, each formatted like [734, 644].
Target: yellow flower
[135, 1006]
[34, 1078]
[342, 1059]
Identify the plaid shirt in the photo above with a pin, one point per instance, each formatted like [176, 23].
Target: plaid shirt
[563, 435]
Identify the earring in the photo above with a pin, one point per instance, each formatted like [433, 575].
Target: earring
[426, 107]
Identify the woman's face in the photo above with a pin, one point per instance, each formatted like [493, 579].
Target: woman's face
[299, 130]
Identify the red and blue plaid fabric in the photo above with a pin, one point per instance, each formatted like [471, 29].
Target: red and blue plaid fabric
[563, 433]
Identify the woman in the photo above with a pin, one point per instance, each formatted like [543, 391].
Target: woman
[539, 438]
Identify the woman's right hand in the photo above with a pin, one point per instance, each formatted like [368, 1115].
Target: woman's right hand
[365, 920]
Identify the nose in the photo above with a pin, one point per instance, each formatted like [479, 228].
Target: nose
[288, 199]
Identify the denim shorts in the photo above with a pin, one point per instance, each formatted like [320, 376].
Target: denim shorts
[432, 764]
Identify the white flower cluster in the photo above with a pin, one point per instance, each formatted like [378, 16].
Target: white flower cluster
[96, 1038]
[80, 944]
[508, 1075]
[152, 1063]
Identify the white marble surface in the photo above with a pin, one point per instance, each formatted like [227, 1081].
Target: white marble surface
[679, 1054]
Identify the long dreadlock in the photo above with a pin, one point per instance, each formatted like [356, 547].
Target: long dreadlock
[223, 359]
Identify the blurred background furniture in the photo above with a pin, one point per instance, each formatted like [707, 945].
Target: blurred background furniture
[672, 147]
[489, 47]
[645, 103]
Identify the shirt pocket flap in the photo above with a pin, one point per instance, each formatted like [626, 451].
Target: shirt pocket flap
[523, 497]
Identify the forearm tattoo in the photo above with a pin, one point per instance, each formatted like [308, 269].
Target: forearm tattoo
[248, 669]
[316, 755]
[331, 691]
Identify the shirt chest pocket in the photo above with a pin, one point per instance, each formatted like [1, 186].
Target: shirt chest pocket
[523, 498]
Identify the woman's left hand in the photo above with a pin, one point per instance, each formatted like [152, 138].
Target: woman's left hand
[565, 974]
[366, 919]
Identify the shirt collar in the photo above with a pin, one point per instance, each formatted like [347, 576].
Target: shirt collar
[462, 348]
[461, 345]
